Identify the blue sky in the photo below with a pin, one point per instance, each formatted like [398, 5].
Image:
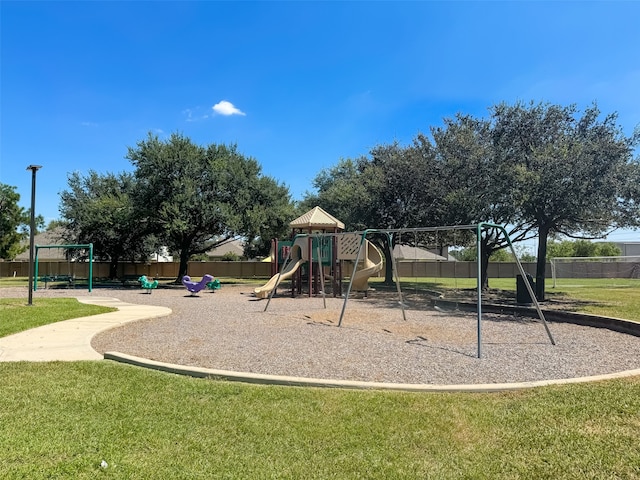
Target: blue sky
[297, 85]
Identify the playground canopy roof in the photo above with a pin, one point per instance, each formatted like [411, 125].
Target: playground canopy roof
[317, 218]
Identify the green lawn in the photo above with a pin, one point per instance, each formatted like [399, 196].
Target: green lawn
[62, 419]
[16, 315]
[608, 297]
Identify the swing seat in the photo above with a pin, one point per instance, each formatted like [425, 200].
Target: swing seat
[68, 279]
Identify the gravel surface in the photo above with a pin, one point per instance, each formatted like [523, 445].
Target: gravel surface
[229, 330]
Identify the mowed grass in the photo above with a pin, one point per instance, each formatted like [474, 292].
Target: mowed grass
[16, 315]
[615, 297]
[61, 420]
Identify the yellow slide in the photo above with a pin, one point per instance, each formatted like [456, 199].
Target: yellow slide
[298, 257]
[372, 265]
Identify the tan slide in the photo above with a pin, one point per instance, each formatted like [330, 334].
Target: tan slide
[298, 257]
[372, 265]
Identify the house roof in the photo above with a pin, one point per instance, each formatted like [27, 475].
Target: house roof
[407, 252]
[48, 237]
[234, 246]
[317, 218]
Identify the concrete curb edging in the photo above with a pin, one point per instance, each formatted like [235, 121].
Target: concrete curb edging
[257, 378]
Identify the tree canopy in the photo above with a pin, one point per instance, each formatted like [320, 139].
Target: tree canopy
[98, 209]
[14, 222]
[572, 174]
[538, 169]
[194, 198]
[581, 248]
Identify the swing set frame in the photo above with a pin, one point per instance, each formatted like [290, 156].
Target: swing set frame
[70, 246]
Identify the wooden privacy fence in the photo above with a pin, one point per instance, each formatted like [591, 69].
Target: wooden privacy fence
[155, 270]
[261, 269]
[252, 269]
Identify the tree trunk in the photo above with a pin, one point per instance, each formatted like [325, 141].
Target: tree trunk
[484, 267]
[113, 268]
[541, 263]
[388, 261]
[182, 269]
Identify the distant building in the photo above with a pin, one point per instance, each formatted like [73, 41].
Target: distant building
[629, 249]
[54, 237]
[407, 252]
[235, 246]
[50, 237]
[162, 256]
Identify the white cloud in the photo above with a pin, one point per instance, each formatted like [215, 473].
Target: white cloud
[226, 108]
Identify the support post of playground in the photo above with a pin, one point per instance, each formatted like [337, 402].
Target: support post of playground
[528, 286]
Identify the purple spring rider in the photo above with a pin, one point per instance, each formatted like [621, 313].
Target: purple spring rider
[195, 287]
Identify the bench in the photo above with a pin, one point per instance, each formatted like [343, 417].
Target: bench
[68, 279]
[129, 280]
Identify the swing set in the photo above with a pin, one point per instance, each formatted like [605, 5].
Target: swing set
[70, 277]
[477, 229]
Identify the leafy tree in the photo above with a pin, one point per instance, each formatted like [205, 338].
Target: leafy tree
[564, 248]
[55, 224]
[230, 257]
[98, 209]
[267, 216]
[195, 198]
[607, 249]
[539, 170]
[343, 191]
[581, 248]
[14, 221]
[407, 185]
[469, 254]
[476, 188]
[572, 175]
[526, 257]
[395, 187]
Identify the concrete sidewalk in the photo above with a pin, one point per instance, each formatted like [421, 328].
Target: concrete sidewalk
[70, 340]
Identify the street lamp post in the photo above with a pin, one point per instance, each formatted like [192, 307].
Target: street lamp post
[32, 228]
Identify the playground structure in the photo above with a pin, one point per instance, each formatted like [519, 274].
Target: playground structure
[148, 283]
[372, 262]
[350, 249]
[196, 287]
[317, 250]
[317, 253]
